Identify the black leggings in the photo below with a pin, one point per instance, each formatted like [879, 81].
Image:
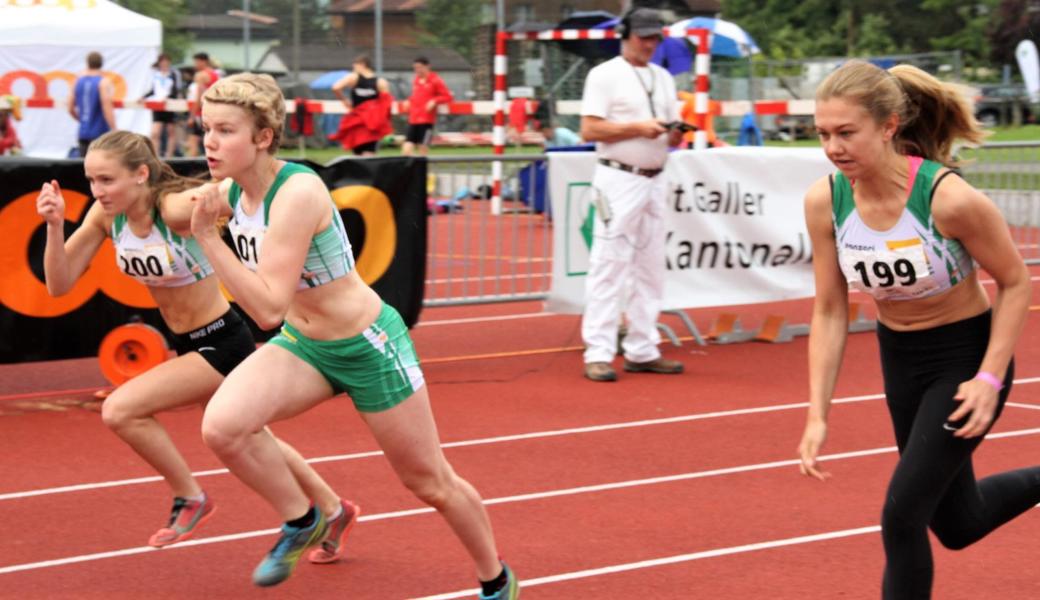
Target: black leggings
[934, 485]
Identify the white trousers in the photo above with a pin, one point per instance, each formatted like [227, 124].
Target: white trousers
[626, 267]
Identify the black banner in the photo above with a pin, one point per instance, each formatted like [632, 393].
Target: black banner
[382, 202]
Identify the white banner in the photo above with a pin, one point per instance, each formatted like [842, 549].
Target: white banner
[735, 227]
[44, 47]
[1029, 64]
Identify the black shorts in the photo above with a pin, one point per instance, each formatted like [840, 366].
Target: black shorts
[368, 147]
[162, 116]
[419, 133]
[224, 343]
[195, 126]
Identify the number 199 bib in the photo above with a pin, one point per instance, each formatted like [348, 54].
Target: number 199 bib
[902, 268]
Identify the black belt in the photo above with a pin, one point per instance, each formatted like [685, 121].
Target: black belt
[629, 168]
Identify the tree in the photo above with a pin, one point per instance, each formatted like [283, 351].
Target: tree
[1014, 21]
[450, 24]
[169, 12]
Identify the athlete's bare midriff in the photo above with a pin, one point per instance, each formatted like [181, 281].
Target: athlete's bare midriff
[334, 311]
[188, 307]
[963, 301]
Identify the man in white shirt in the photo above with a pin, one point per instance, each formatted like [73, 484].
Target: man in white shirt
[626, 106]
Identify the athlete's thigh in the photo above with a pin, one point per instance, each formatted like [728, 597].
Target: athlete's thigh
[407, 434]
[270, 385]
[186, 379]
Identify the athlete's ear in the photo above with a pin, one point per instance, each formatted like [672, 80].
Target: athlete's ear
[890, 127]
[264, 138]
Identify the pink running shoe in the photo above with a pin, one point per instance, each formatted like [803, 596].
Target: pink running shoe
[185, 518]
[332, 549]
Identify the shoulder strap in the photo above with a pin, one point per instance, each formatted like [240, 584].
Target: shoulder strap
[287, 171]
[842, 202]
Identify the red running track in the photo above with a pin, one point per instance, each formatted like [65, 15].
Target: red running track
[656, 486]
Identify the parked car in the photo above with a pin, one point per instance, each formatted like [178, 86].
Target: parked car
[793, 127]
[996, 105]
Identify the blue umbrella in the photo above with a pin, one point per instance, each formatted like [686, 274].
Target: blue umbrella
[728, 39]
[326, 80]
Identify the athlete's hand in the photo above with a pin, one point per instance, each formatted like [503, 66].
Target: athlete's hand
[206, 210]
[809, 448]
[978, 404]
[50, 204]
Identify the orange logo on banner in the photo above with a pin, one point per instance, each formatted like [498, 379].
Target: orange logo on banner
[23, 292]
[66, 4]
[41, 82]
[380, 228]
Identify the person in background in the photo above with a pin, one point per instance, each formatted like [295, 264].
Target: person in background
[368, 109]
[556, 137]
[91, 103]
[205, 76]
[896, 223]
[428, 92]
[625, 106]
[10, 111]
[166, 84]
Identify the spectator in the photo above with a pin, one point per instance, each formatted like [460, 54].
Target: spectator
[625, 106]
[559, 136]
[166, 84]
[428, 90]
[205, 76]
[368, 109]
[91, 103]
[10, 111]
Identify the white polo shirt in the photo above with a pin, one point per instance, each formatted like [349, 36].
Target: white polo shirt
[617, 90]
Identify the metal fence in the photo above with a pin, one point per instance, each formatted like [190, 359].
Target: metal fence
[476, 256]
[1009, 173]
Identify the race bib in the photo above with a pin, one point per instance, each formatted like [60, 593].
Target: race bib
[248, 241]
[152, 262]
[901, 269]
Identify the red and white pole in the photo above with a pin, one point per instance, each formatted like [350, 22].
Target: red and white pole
[498, 132]
[701, 86]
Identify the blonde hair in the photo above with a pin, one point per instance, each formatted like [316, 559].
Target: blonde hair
[133, 150]
[258, 95]
[932, 114]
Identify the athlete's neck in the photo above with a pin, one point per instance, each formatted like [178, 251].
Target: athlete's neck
[887, 181]
[258, 179]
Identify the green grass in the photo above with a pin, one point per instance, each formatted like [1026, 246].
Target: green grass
[1024, 133]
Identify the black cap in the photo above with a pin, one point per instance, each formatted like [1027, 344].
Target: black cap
[644, 22]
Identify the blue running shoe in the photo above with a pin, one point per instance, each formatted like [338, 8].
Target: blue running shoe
[510, 591]
[279, 563]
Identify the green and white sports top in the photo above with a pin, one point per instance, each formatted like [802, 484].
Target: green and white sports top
[162, 258]
[912, 259]
[329, 256]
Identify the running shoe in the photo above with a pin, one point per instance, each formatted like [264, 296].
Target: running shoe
[332, 548]
[185, 519]
[279, 563]
[510, 591]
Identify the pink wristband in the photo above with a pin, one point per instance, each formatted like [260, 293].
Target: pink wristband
[991, 379]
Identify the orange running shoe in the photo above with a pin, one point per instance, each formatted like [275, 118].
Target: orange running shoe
[331, 548]
[185, 519]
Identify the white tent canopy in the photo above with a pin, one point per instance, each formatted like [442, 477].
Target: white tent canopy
[49, 40]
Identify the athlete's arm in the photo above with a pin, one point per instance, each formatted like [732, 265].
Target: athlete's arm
[829, 327]
[176, 207]
[348, 81]
[107, 93]
[963, 213]
[65, 261]
[297, 210]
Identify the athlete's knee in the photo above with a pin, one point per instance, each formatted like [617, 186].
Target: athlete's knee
[954, 538]
[434, 487]
[223, 436]
[897, 523]
[117, 412]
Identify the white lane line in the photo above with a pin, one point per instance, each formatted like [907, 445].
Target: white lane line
[671, 560]
[477, 442]
[1023, 405]
[493, 318]
[616, 485]
[459, 444]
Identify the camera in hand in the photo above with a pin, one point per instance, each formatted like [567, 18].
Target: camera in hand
[681, 126]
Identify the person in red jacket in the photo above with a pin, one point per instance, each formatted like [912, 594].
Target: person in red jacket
[368, 109]
[428, 90]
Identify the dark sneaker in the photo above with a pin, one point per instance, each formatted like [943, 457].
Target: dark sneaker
[332, 548]
[279, 563]
[659, 365]
[185, 519]
[600, 371]
[510, 591]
